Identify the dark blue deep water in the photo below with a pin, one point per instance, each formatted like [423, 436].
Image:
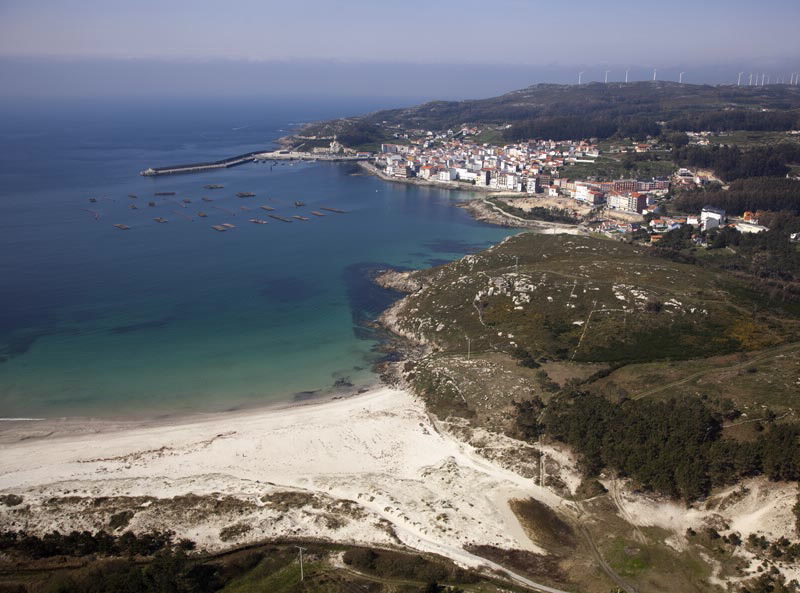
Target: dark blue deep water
[176, 317]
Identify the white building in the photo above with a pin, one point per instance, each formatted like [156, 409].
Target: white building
[447, 174]
[749, 227]
[711, 217]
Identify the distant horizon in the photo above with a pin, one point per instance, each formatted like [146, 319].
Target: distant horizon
[43, 77]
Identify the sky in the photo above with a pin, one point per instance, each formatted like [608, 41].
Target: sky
[52, 46]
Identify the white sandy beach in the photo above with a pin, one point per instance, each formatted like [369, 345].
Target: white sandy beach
[405, 482]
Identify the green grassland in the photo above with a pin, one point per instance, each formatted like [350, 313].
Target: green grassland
[607, 168]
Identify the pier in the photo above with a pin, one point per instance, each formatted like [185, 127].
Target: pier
[276, 155]
[198, 167]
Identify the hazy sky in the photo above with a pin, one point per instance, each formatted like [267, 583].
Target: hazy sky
[513, 33]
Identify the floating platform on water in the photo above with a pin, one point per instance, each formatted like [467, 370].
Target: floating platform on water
[258, 221]
[245, 194]
[219, 227]
[228, 225]
[165, 193]
[336, 210]
[161, 220]
[267, 208]
[281, 218]
[301, 217]
[202, 214]
[122, 227]
[213, 186]
[315, 213]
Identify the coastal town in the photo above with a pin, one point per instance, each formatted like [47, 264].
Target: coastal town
[532, 180]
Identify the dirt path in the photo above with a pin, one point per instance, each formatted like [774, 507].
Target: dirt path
[777, 352]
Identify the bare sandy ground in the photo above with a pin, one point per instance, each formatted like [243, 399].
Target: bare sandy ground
[370, 469]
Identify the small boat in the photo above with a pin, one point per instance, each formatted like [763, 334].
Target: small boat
[219, 227]
[151, 204]
[299, 204]
[132, 196]
[93, 200]
[202, 214]
[258, 221]
[207, 199]
[214, 186]
[161, 220]
[228, 225]
[122, 227]
[267, 208]
[245, 208]
[164, 193]
[133, 207]
[245, 194]
[187, 201]
[315, 213]
[301, 217]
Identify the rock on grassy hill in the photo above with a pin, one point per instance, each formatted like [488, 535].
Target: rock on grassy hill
[581, 299]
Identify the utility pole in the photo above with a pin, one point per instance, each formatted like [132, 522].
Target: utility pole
[299, 549]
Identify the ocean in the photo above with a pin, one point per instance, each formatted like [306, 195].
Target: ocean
[177, 318]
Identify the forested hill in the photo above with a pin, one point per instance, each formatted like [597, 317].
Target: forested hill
[593, 110]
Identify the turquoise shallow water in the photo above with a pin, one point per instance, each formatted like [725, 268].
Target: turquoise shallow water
[176, 317]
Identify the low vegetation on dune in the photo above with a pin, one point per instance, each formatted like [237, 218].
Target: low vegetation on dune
[170, 568]
[584, 311]
[674, 372]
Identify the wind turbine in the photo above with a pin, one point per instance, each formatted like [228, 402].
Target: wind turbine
[751, 80]
[767, 78]
[607, 71]
[626, 75]
[680, 77]
[580, 75]
[654, 74]
[762, 78]
[739, 80]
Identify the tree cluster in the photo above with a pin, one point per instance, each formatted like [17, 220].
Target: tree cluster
[750, 120]
[566, 127]
[85, 543]
[674, 447]
[731, 163]
[758, 193]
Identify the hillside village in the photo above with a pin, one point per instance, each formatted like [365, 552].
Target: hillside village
[538, 171]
